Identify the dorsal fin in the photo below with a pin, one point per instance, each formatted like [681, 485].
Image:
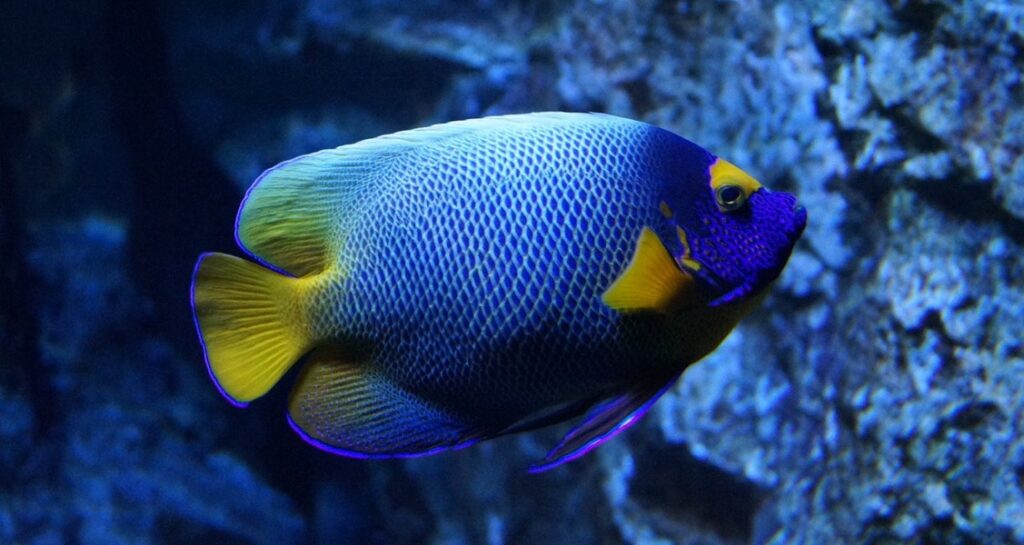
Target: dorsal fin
[294, 215]
[297, 213]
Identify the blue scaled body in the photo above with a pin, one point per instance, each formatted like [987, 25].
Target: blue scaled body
[472, 279]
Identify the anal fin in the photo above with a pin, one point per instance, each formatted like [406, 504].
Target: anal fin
[604, 421]
[341, 405]
[550, 415]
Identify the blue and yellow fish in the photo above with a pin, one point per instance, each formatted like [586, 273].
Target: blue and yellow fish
[477, 278]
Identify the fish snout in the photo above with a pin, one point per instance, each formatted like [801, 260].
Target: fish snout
[799, 219]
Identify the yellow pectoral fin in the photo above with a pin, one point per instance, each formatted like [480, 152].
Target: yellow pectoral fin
[651, 282]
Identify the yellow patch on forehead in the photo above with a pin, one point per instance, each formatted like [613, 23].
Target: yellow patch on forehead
[725, 173]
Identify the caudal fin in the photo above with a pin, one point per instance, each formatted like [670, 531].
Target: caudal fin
[251, 322]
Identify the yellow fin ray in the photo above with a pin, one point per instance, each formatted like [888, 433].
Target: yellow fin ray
[251, 323]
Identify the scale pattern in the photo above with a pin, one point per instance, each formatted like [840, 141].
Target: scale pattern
[475, 272]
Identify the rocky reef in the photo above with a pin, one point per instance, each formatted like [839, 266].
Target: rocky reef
[877, 397]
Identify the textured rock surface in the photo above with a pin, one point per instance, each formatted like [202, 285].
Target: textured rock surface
[875, 398]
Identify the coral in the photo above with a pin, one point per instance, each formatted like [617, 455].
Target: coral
[130, 455]
[934, 106]
[875, 397]
[17, 421]
[926, 414]
[79, 261]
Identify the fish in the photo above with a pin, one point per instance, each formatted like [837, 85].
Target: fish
[473, 279]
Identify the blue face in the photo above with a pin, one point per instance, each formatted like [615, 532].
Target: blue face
[733, 235]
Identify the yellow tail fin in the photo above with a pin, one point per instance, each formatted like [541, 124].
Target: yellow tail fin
[251, 321]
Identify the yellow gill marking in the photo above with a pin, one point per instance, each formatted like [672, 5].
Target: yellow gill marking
[687, 259]
[725, 173]
[651, 282]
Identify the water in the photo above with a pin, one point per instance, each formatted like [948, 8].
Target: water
[876, 397]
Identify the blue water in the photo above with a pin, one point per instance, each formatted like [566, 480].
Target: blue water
[876, 397]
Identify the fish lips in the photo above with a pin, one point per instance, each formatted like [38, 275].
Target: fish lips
[760, 278]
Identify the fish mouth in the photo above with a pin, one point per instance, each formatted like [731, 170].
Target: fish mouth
[721, 292]
[799, 219]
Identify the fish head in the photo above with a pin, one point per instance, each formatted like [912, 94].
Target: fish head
[736, 235]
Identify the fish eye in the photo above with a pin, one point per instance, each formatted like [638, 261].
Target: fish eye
[730, 197]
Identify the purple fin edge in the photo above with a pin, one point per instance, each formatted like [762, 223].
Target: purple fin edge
[733, 296]
[199, 332]
[331, 449]
[623, 425]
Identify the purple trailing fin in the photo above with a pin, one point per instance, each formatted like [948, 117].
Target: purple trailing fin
[735, 295]
[603, 422]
